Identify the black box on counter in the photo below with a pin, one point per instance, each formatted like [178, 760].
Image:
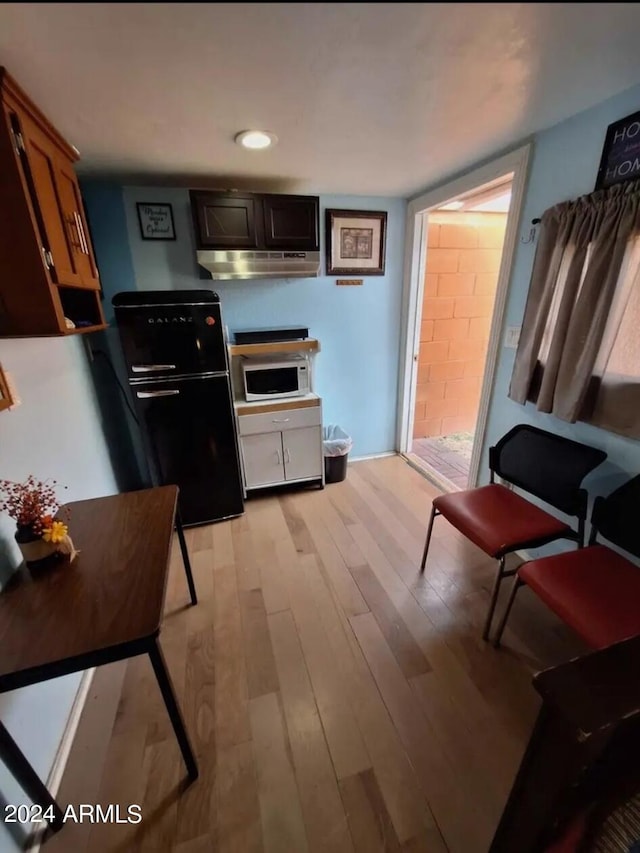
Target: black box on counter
[270, 335]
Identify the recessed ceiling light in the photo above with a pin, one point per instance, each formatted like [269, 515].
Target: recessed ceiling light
[452, 205]
[256, 139]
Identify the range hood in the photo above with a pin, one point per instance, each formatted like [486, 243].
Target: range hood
[235, 264]
[245, 236]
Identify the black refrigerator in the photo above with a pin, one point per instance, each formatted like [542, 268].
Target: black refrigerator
[178, 371]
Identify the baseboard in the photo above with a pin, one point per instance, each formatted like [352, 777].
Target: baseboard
[525, 556]
[77, 769]
[373, 456]
[62, 755]
[54, 777]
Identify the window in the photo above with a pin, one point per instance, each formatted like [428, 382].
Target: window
[579, 350]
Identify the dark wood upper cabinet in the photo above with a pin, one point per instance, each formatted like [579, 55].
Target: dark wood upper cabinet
[228, 220]
[291, 222]
[48, 273]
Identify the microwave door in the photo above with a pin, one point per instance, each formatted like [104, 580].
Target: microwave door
[265, 382]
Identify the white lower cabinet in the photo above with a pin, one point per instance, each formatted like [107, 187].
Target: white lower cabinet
[262, 456]
[302, 452]
[281, 446]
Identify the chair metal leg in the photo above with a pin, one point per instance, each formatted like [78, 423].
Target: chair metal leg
[434, 512]
[185, 559]
[517, 583]
[27, 778]
[175, 715]
[494, 599]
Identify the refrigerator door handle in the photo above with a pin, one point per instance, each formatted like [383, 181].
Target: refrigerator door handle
[151, 368]
[144, 395]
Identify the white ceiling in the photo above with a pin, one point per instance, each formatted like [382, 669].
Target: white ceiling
[382, 99]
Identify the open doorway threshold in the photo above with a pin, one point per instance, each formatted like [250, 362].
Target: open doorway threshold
[443, 459]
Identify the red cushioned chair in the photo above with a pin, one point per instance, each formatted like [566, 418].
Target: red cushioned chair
[595, 590]
[499, 520]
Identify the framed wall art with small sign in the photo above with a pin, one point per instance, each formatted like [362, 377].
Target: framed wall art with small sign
[620, 159]
[355, 242]
[156, 221]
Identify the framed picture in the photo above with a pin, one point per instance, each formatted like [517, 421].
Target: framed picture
[620, 159]
[356, 242]
[156, 221]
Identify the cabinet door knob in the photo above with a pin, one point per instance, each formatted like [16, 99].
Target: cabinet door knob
[287, 455]
[278, 457]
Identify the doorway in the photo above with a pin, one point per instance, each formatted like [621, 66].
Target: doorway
[461, 244]
[465, 237]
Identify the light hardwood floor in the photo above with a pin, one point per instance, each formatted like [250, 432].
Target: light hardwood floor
[336, 699]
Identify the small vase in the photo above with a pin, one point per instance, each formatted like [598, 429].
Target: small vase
[36, 552]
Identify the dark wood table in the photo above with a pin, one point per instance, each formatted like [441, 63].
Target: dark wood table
[104, 607]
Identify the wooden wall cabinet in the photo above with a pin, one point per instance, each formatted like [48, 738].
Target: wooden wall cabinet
[48, 272]
[228, 220]
[291, 222]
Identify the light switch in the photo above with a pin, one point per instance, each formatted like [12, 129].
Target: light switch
[512, 336]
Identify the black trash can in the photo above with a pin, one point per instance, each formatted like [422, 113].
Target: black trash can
[335, 468]
[336, 446]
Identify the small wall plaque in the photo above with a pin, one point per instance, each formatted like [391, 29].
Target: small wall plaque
[620, 159]
[156, 221]
[344, 282]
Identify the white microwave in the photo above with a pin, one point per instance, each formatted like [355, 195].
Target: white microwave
[273, 377]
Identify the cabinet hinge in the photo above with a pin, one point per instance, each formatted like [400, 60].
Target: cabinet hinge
[18, 141]
[47, 257]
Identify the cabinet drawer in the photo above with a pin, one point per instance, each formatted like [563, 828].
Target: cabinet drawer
[279, 421]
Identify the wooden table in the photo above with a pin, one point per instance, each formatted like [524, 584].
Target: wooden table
[103, 607]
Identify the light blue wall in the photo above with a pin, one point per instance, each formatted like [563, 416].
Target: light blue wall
[104, 205]
[105, 208]
[56, 432]
[565, 164]
[358, 327]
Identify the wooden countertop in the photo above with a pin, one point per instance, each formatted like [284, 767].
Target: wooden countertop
[306, 345]
[258, 407]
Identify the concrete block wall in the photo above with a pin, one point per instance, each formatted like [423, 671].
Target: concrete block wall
[463, 261]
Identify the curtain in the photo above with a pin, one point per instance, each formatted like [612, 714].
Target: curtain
[579, 351]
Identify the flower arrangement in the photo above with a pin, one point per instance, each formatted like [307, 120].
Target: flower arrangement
[33, 504]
